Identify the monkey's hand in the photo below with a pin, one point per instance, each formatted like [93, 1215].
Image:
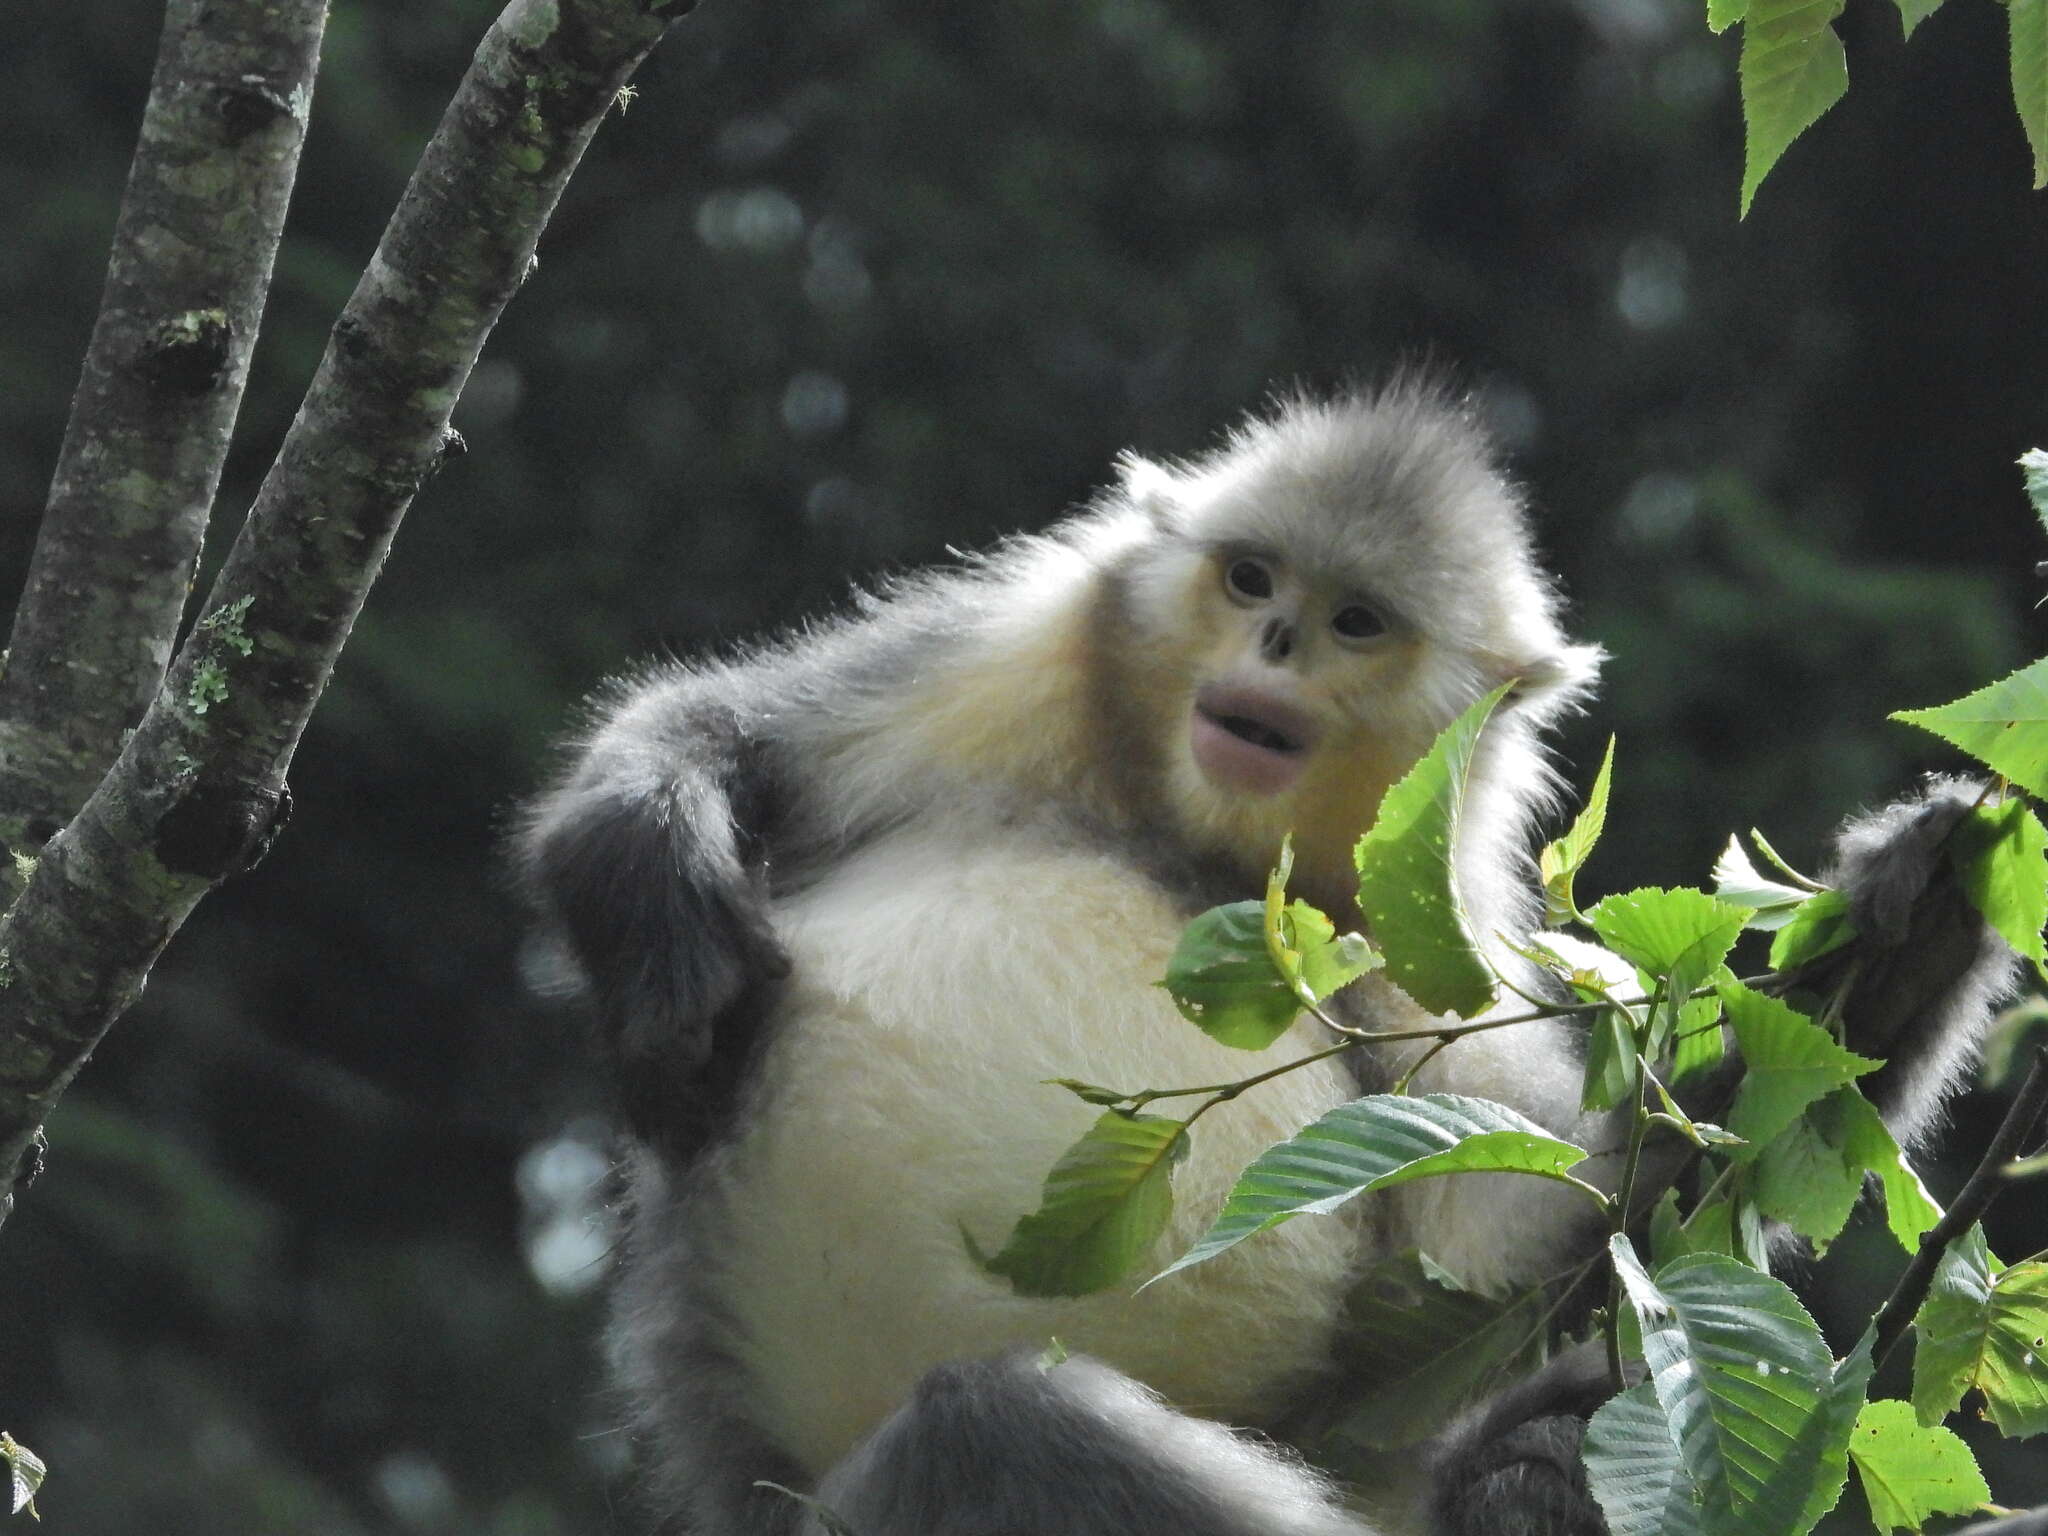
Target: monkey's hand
[1511, 1466]
[652, 883]
[1918, 983]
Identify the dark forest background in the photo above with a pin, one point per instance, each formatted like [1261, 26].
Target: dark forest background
[853, 281]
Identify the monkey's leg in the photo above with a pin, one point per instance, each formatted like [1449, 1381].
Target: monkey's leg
[1013, 1446]
[1918, 983]
[1511, 1466]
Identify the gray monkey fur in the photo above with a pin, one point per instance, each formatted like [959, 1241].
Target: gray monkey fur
[697, 804]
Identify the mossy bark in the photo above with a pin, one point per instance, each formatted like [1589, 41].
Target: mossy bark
[200, 787]
[157, 396]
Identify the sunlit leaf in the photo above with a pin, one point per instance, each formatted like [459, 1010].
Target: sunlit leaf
[1405, 878]
[1316, 957]
[1791, 1062]
[1759, 1411]
[1817, 925]
[1999, 851]
[1696, 1042]
[25, 1473]
[1683, 934]
[1561, 861]
[1737, 880]
[1223, 980]
[1792, 72]
[1909, 1211]
[2034, 467]
[1723, 14]
[1805, 1179]
[1105, 1203]
[2028, 20]
[1983, 1328]
[2004, 726]
[1912, 1471]
[1376, 1142]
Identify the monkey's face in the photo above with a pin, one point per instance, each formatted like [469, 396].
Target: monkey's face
[1300, 702]
[1292, 655]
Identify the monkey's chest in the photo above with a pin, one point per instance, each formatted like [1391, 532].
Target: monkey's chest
[905, 1104]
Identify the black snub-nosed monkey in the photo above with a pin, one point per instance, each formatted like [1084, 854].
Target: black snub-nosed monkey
[846, 901]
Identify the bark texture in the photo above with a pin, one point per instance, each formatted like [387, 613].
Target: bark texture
[199, 788]
[155, 407]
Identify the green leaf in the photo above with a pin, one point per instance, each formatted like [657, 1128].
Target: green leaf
[1999, 851]
[1913, 12]
[2034, 467]
[2013, 1038]
[1683, 934]
[1710, 1228]
[1697, 1043]
[1405, 877]
[1760, 1413]
[1723, 14]
[1812, 1175]
[1777, 861]
[1791, 1061]
[1612, 1065]
[1737, 880]
[1912, 1471]
[1909, 1210]
[1428, 1347]
[1792, 72]
[1634, 1469]
[1561, 861]
[1318, 959]
[1376, 1142]
[2029, 23]
[1987, 1331]
[25, 1473]
[2004, 726]
[1819, 924]
[1805, 1177]
[1223, 980]
[1678, 937]
[1105, 1203]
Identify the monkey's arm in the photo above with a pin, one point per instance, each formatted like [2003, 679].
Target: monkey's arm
[649, 861]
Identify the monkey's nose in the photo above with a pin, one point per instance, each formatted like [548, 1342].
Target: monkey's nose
[1276, 640]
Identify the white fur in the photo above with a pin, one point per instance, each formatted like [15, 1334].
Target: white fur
[906, 1100]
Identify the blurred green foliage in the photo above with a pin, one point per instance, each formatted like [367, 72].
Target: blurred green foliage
[851, 281]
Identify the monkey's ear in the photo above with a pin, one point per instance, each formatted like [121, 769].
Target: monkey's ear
[1555, 681]
[1150, 487]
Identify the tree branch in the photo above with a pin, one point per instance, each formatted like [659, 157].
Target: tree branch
[199, 788]
[1982, 1187]
[156, 402]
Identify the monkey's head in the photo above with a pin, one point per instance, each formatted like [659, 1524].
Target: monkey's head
[1332, 587]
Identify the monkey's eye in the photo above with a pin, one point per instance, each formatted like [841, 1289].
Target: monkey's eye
[1248, 580]
[1356, 622]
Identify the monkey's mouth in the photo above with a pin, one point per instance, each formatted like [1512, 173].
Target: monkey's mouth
[1249, 740]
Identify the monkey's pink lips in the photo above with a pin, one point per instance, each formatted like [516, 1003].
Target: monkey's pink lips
[1247, 740]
